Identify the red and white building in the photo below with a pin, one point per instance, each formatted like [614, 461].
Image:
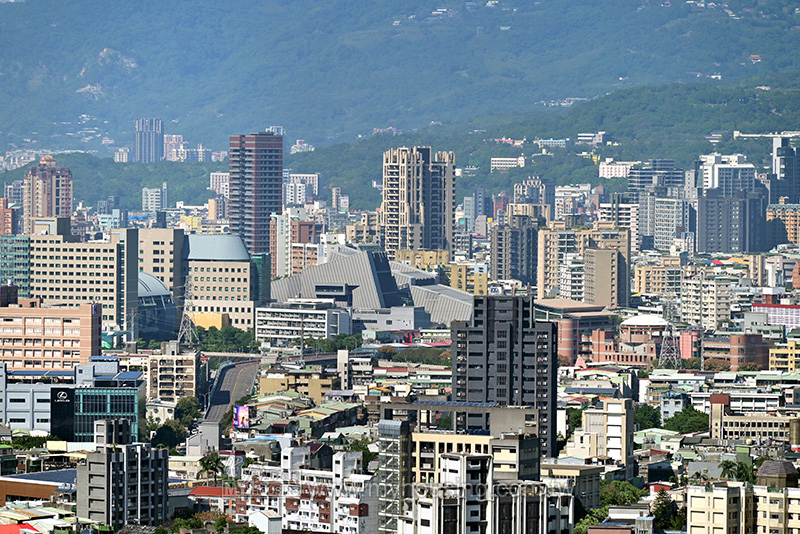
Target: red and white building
[341, 500]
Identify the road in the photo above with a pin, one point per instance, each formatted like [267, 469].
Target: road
[237, 381]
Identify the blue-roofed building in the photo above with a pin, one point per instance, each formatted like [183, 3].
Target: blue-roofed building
[47, 485]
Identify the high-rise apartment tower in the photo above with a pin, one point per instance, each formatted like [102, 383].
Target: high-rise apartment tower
[148, 141]
[256, 187]
[418, 209]
[506, 356]
[47, 192]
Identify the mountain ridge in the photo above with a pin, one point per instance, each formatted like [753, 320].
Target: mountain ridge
[339, 69]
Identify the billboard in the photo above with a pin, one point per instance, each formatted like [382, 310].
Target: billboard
[241, 417]
[62, 413]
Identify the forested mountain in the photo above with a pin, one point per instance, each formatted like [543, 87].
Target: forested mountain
[74, 72]
[669, 121]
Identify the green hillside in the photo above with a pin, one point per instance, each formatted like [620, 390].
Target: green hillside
[96, 179]
[74, 72]
[647, 122]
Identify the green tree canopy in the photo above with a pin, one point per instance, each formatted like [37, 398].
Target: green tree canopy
[687, 420]
[187, 410]
[169, 435]
[647, 416]
[666, 514]
[211, 465]
[620, 493]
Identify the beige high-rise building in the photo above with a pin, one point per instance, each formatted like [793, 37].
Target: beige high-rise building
[67, 272]
[222, 277]
[557, 241]
[605, 272]
[47, 192]
[662, 279]
[418, 208]
[161, 254]
[57, 338]
[705, 297]
[720, 509]
[735, 507]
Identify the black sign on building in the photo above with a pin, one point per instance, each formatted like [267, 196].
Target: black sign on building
[62, 413]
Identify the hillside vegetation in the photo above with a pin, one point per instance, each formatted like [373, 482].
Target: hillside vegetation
[669, 121]
[96, 179]
[647, 122]
[74, 72]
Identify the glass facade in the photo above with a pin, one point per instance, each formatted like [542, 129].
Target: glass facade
[15, 262]
[74, 411]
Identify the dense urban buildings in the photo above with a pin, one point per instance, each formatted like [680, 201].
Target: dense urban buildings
[57, 267]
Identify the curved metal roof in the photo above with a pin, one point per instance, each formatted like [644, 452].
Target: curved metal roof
[150, 286]
[207, 247]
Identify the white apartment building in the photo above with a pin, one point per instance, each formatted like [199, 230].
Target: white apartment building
[623, 215]
[294, 193]
[571, 277]
[155, 198]
[468, 500]
[312, 181]
[220, 183]
[503, 164]
[729, 507]
[728, 173]
[615, 169]
[606, 431]
[342, 500]
[670, 216]
[283, 323]
[705, 298]
[719, 509]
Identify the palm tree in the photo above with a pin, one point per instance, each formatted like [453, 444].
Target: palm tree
[745, 473]
[728, 469]
[211, 464]
[698, 478]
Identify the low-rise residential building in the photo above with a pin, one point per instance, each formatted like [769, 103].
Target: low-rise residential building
[284, 323]
[172, 376]
[784, 357]
[582, 480]
[773, 427]
[311, 381]
[343, 499]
